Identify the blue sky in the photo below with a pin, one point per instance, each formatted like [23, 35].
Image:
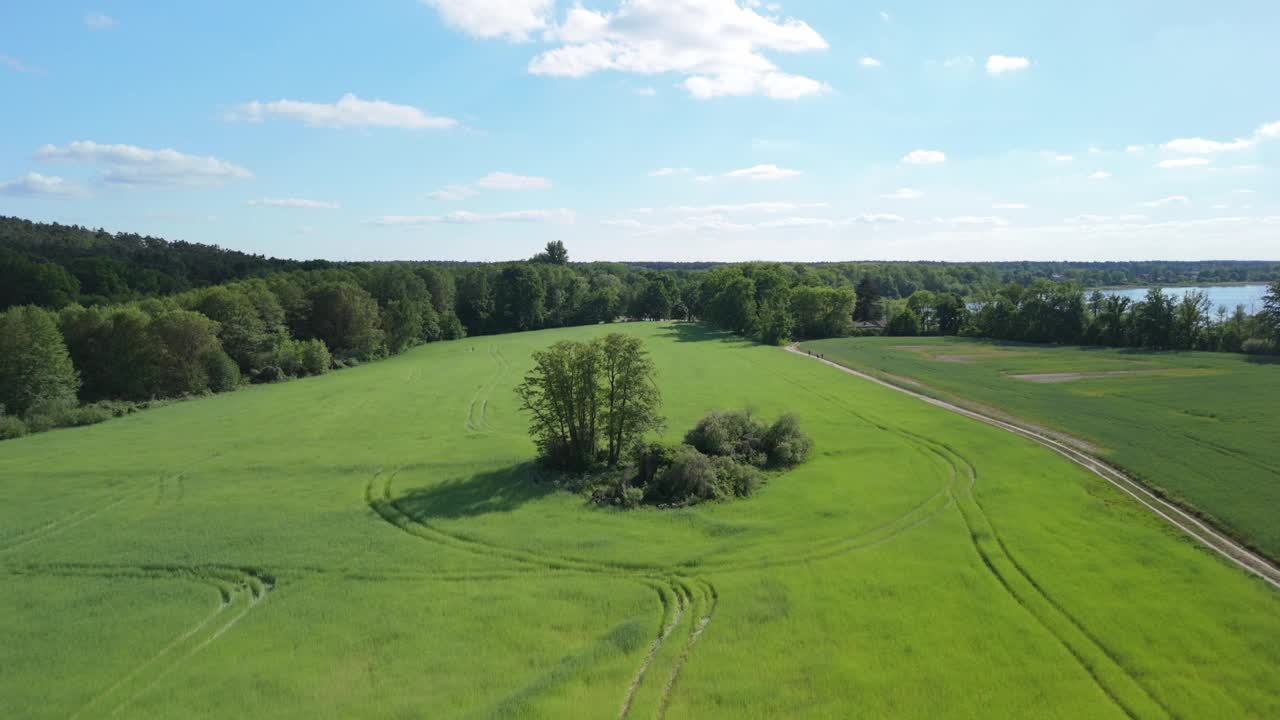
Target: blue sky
[652, 129]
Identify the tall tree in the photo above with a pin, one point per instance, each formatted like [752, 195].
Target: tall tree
[34, 364]
[631, 398]
[562, 394]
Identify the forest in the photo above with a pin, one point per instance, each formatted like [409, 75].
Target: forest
[96, 323]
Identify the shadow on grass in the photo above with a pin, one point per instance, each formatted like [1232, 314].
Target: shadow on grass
[1263, 359]
[501, 490]
[699, 332]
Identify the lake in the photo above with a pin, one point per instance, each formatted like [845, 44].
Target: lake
[1250, 296]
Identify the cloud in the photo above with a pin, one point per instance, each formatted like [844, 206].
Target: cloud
[796, 222]
[875, 218]
[999, 64]
[295, 203]
[349, 111]
[1168, 201]
[755, 172]
[462, 217]
[754, 207]
[869, 62]
[666, 171]
[716, 45]
[510, 19]
[1135, 148]
[1095, 219]
[1187, 162]
[1269, 131]
[903, 194]
[1200, 146]
[1009, 206]
[974, 220]
[37, 185]
[130, 165]
[16, 65]
[1100, 175]
[453, 192]
[1057, 157]
[924, 157]
[99, 21]
[510, 181]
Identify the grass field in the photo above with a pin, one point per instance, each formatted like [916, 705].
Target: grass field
[1201, 427]
[369, 544]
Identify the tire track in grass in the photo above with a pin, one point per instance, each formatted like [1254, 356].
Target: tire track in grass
[705, 600]
[477, 420]
[67, 522]
[1182, 520]
[673, 606]
[1120, 686]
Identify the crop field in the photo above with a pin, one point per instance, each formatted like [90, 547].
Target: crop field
[1201, 427]
[375, 543]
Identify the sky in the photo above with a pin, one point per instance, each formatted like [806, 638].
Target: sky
[652, 129]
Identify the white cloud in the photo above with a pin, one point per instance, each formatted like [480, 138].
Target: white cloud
[1009, 206]
[974, 220]
[1135, 148]
[132, 165]
[1168, 201]
[924, 157]
[511, 19]
[1187, 162]
[302, 203]
[1100, 175]
[1200, 146]
[99, 21]
[1057, 157]
[1269, 131]
[715, 44]
[452, 192]
[903, 194]
[755, 172]
[998, 64]
[754, 207]
[462, 217]
[37, 185]
[16, 65]
[349, 111]
[869, 62]
[875, 218]
[511, 181]
[666, 171]
[796, 222]
[1096, 219]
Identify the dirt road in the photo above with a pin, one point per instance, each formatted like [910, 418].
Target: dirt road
[1190, 525]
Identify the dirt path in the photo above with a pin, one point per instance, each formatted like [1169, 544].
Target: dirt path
[1206, 535]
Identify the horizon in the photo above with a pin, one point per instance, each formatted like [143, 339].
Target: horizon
[694, 131]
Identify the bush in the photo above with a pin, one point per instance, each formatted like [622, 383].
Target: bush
[11, 427]
[270, 374]
[315, 357]
[734, 479]
[784, 444]
[730, 434]
[1258, 346]
[223, 372]
[691, 477]
[288, 358]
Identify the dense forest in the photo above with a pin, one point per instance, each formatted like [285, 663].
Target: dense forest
[95, 323]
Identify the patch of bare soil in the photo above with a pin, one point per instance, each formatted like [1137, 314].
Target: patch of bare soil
[960, 358]
[1068, 377]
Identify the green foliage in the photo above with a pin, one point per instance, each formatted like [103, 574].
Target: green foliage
[822, 312]
[315, 358]
[904, 324]
[11, 427]
[346, 318]
[784, 444]
[34, 364]
[222, 372]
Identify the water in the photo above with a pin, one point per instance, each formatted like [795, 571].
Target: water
[1250, 296]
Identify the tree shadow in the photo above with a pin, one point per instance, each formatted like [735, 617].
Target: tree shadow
[1263, 359]
[699, 332]
[501, 490]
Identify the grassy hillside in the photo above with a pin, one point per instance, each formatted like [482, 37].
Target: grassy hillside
[1202, 427]
[370, 544]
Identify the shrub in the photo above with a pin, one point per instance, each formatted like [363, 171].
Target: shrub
[1258, 346]
[269, 374]
[11, 427]
[650, 460]
[690, 477]
[223, 372]
[730, 434]
[315, 356]
[784, 444]
[288, 358]
[734, 479]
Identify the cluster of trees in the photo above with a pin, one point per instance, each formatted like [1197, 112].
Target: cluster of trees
[1051, 312]
[591, 404]
[773, 303]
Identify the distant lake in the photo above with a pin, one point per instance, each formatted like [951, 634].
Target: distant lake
[1250, 296]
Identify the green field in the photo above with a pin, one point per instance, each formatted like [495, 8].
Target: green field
[1200, 427]
[370, 544]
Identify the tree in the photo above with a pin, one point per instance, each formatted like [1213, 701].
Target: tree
[905, 323]
[822, 312]
[242, 332]
[555, 254]
[631, 399]
[868, 308]
[34, 364]
[951, 313]
[1153, 319]
[579, 393]
[346, 318]
[1271, 310]
[403, 324]
[180, 339]
[519, 298]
